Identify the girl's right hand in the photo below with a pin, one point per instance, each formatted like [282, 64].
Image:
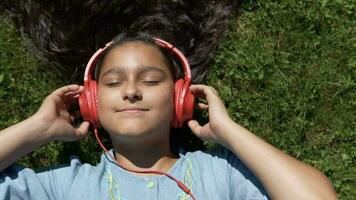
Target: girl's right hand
[55, 118]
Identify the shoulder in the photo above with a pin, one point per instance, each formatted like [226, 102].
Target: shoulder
[49, 182]
[216, 155]
[65, 170]
[74, 171]
[60, 171]
[212, 164]
[228, 171]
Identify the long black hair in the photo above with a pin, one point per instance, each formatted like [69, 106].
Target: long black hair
[66, 32]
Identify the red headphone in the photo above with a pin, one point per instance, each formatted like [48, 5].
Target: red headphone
[183, 98]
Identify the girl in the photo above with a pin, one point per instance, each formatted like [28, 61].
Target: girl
[135, 94]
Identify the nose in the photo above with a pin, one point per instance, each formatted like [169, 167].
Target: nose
[132, 92]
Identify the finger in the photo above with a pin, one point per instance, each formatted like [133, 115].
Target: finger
[203, 106]
[63, 95]
[71, 98]
[65, 89]
[75, 92]
[194, 126]
[199, 95]
[208, 92]
[82, 130]
[202, 89]
[214, 90]
[197, 91]
[215, 104]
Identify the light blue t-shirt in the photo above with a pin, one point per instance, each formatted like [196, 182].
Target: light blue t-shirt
[209, 175]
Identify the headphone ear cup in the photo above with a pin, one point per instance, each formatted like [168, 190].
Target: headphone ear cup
[88, 104]
[183, 103]
[94, 105]
[83, 104]
[188, 105]
[177, 103]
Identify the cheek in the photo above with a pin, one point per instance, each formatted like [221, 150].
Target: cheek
[105, 101]
[164, 100]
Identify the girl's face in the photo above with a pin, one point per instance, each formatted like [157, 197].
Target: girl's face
[135, 92]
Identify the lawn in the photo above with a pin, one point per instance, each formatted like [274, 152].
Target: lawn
[286, 71]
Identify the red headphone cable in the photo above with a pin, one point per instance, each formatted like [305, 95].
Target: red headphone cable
[152, 171]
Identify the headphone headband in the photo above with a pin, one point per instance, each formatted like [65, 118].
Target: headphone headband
[93, 62]
[178, 54]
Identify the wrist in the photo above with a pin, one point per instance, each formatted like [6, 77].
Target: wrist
[37, 130]
[226, 131]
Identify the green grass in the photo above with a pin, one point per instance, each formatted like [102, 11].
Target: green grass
[24, 82]
[286, 71]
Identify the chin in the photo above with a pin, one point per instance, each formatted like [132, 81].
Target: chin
[132, 128]
[130, 131]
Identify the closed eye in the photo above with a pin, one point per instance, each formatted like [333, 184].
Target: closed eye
[151, 82]
[113, 83]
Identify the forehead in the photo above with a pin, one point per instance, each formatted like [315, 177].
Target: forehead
[133, 55]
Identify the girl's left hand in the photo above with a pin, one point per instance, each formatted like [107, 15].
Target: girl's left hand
[218, 115]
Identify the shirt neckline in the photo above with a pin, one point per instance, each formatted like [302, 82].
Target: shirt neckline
[157, 177]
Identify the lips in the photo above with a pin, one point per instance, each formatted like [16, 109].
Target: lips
[132, 109]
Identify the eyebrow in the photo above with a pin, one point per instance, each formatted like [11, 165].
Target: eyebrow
[143, 69]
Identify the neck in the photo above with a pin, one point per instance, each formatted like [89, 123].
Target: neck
[153, 155]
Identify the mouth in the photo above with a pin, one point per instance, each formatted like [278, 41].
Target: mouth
[132, 109]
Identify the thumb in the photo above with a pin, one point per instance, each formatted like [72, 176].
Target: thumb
[82, 130]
